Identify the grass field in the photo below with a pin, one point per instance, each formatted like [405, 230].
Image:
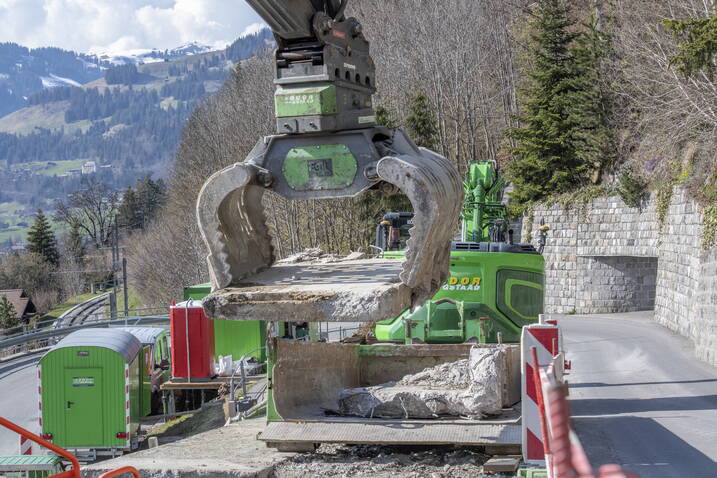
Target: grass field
[49, 116]
[14, 213]
[47, 168]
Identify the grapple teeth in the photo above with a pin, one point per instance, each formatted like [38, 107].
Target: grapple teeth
[233, 225]
[433, 186]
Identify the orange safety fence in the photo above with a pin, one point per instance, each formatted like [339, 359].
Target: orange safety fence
[74, 472]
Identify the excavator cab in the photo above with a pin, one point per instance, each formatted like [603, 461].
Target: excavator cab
[393, 232]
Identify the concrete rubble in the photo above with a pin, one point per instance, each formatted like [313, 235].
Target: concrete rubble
[466, 388]
[317, 255]
[344, 461]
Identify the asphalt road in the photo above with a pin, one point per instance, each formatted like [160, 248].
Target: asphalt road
[18, 398]
[639, 398]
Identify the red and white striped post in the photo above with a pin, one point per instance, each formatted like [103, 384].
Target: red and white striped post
[127, 406]
[547, 341]
[25, 446]
[39, 397]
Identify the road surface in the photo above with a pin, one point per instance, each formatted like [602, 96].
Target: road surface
[18, 398]
[639, 398]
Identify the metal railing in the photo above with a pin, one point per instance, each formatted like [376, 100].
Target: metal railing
[74, 472]
[40, 338]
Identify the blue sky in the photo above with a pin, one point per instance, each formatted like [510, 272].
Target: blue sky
[121, 25]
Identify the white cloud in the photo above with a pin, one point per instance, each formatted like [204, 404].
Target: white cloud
[84, 25]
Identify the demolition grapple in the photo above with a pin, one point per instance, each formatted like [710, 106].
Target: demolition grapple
[327, 146]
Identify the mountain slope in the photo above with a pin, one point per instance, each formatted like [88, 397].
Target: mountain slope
[127, 121]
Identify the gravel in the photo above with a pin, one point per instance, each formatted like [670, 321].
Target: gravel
[385, 462]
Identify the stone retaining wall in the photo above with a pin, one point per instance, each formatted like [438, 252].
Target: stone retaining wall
[608, 257]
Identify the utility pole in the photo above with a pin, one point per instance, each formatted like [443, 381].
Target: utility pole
[115, 260]
[124, 285]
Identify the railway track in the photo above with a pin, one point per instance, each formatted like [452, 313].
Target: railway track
[84, 312]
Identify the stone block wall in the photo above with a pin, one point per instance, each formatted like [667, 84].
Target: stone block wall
[608, 257]
[616, 283]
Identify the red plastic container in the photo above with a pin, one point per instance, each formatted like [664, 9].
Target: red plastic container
[192, 341]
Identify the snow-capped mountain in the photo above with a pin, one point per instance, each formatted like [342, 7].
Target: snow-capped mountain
[142, 56]
[25, 71]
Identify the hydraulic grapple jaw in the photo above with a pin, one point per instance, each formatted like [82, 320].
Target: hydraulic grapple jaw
[327, 147]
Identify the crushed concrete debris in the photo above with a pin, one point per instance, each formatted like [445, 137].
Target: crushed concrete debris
[466, 388]
[317, 255]
[339, 461]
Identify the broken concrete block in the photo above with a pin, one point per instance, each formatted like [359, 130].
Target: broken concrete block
[346, 291]
[470, 387]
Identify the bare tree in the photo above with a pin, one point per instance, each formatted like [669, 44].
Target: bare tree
[92, 209]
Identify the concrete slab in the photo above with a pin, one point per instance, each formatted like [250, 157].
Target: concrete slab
[228, 452]
[501, 465]
[347, 291]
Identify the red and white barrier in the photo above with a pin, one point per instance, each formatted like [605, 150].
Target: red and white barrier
[548, 437]
[25, 446]
[546, 339]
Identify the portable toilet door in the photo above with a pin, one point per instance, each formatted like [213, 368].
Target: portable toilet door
[89, 390]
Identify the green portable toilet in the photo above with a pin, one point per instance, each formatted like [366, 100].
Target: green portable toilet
[30, 466]
[156, 364]
[90, 391]
[233, 337]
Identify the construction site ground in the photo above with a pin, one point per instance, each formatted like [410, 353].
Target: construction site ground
[234, 452]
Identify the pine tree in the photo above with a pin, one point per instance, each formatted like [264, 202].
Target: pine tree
[422, 123]
[698, 44]
[564, 137]
[41, 240]
[8, 315]
[385, 118]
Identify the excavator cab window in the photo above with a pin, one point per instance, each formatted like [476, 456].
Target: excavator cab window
[392, 232]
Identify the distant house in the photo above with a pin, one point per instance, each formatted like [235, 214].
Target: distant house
[18, 249]
[90, 167]
[24, 308]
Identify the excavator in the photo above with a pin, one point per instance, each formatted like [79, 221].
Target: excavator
[328, 145]
[495, 286]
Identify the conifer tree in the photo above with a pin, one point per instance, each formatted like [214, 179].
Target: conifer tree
[421, 123]
[8, 314]
[564, 137]
[697, 44]
[384, 118]
[41, 240]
